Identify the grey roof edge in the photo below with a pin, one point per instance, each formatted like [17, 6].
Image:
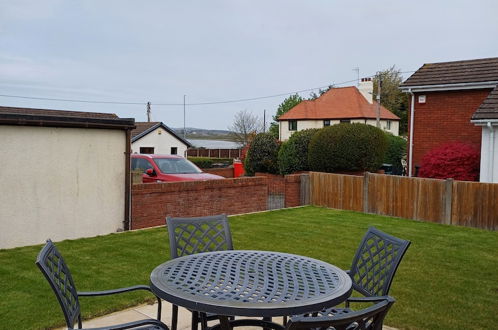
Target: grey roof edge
[61, 121]
[446, 87]
[169, 130]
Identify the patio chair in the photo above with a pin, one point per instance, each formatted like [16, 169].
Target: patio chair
[370, 318]
[59, 277]
[195, 235]
[373, 268]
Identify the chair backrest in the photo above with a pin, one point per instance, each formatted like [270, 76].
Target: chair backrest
[376, 262]
[365, 319]
[195, 235]
[57, 273]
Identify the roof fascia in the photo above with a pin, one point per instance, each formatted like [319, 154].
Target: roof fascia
[76, 122]
[166, 128]
[483, 122]
[449, 87]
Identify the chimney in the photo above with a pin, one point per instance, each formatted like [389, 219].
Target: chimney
[366, 89]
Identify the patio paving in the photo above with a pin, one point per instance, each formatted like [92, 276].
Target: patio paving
[149, 311]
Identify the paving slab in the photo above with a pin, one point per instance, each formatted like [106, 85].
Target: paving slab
[150, 311]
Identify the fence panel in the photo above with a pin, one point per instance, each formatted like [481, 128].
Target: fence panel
[412, 198]
[337, 191]
[475, 205]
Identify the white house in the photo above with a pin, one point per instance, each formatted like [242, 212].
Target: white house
[64, 175]
[486, 116]
[338, 105]
[157, 138]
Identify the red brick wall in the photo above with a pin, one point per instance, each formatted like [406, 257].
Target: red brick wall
[290, 185]
[226, 172]
[445, 117]
[152, 202]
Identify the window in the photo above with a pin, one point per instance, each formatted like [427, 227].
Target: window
[326, 123]
[292, 125]
[176, 166]
[347, 121]
[140, 164]
[388, 125]
[174, 150]
[146, 150]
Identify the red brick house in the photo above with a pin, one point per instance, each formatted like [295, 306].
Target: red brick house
[444, 97]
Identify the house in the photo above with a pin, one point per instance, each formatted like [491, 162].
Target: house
[338, 105]
[486, 117]
[157, 138]
[445, 98]
[64, 175]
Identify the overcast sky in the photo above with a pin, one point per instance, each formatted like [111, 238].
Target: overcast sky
[157, 51]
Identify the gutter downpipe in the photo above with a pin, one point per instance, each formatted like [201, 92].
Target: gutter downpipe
[127, 211]
[491, 151]
[410, 147]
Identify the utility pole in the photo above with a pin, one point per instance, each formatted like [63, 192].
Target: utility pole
[148, 112]
[184, 129]
[264, 121]
[379, 83]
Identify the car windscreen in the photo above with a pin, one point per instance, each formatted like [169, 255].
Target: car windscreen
[176, 166]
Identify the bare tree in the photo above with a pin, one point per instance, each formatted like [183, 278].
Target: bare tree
[245, 125]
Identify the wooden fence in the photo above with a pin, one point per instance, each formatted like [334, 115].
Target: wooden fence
[471, 204]
[214, 153]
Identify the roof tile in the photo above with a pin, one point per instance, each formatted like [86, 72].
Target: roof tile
[489, 108]
[338, 103]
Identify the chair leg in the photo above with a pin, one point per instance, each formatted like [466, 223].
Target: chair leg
[174, 318]
[268, 319]
[195, 320]
[204, 322]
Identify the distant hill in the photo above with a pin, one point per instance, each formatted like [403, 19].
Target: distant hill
[202, 133]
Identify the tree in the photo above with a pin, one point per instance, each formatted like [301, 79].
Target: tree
[347, 147]
[262, 155]
[391, 96]
[245, 126]
[285, 106]
[293, 154]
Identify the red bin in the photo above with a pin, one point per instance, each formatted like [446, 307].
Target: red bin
[238, 168]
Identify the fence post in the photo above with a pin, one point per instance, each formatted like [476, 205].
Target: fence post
[448, 198]
[365, 192]
[305, 189]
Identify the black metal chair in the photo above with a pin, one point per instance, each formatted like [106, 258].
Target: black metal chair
[195, 235]
[59, 277]
[370, 318]
[373, 268]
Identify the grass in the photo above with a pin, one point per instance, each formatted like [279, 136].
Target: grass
[448, 278]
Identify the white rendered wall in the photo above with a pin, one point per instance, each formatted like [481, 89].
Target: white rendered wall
[305, 124]
[485, 172]
[162, 143]
[60, 183]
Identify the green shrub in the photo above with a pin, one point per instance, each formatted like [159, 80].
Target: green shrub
[347, 147]
[206, 162]
[262, 155]
[396, 150]
[293, 154]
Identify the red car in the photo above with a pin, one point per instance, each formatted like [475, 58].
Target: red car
[168, 168]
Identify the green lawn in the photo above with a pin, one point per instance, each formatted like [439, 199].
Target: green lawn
[448, 278]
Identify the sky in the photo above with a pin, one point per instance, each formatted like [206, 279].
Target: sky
[221, 50]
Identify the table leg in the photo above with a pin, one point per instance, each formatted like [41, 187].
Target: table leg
[224, 323]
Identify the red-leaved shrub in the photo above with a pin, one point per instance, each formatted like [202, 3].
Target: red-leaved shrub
[454, 160]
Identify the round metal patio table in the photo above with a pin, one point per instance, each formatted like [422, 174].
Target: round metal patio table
[250, 283]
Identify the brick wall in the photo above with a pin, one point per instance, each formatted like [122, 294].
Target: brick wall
[226, 172]
[288, 185]
[445, 117]
[152, 202]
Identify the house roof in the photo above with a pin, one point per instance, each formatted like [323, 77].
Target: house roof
[489, 108]
[144, 128]
[457, 72]
[338, 103]
[62, 118]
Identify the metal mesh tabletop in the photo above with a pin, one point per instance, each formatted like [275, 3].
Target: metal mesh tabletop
[250, 283]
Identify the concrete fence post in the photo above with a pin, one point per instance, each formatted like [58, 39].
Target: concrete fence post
[365, 192]
[448, 198]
